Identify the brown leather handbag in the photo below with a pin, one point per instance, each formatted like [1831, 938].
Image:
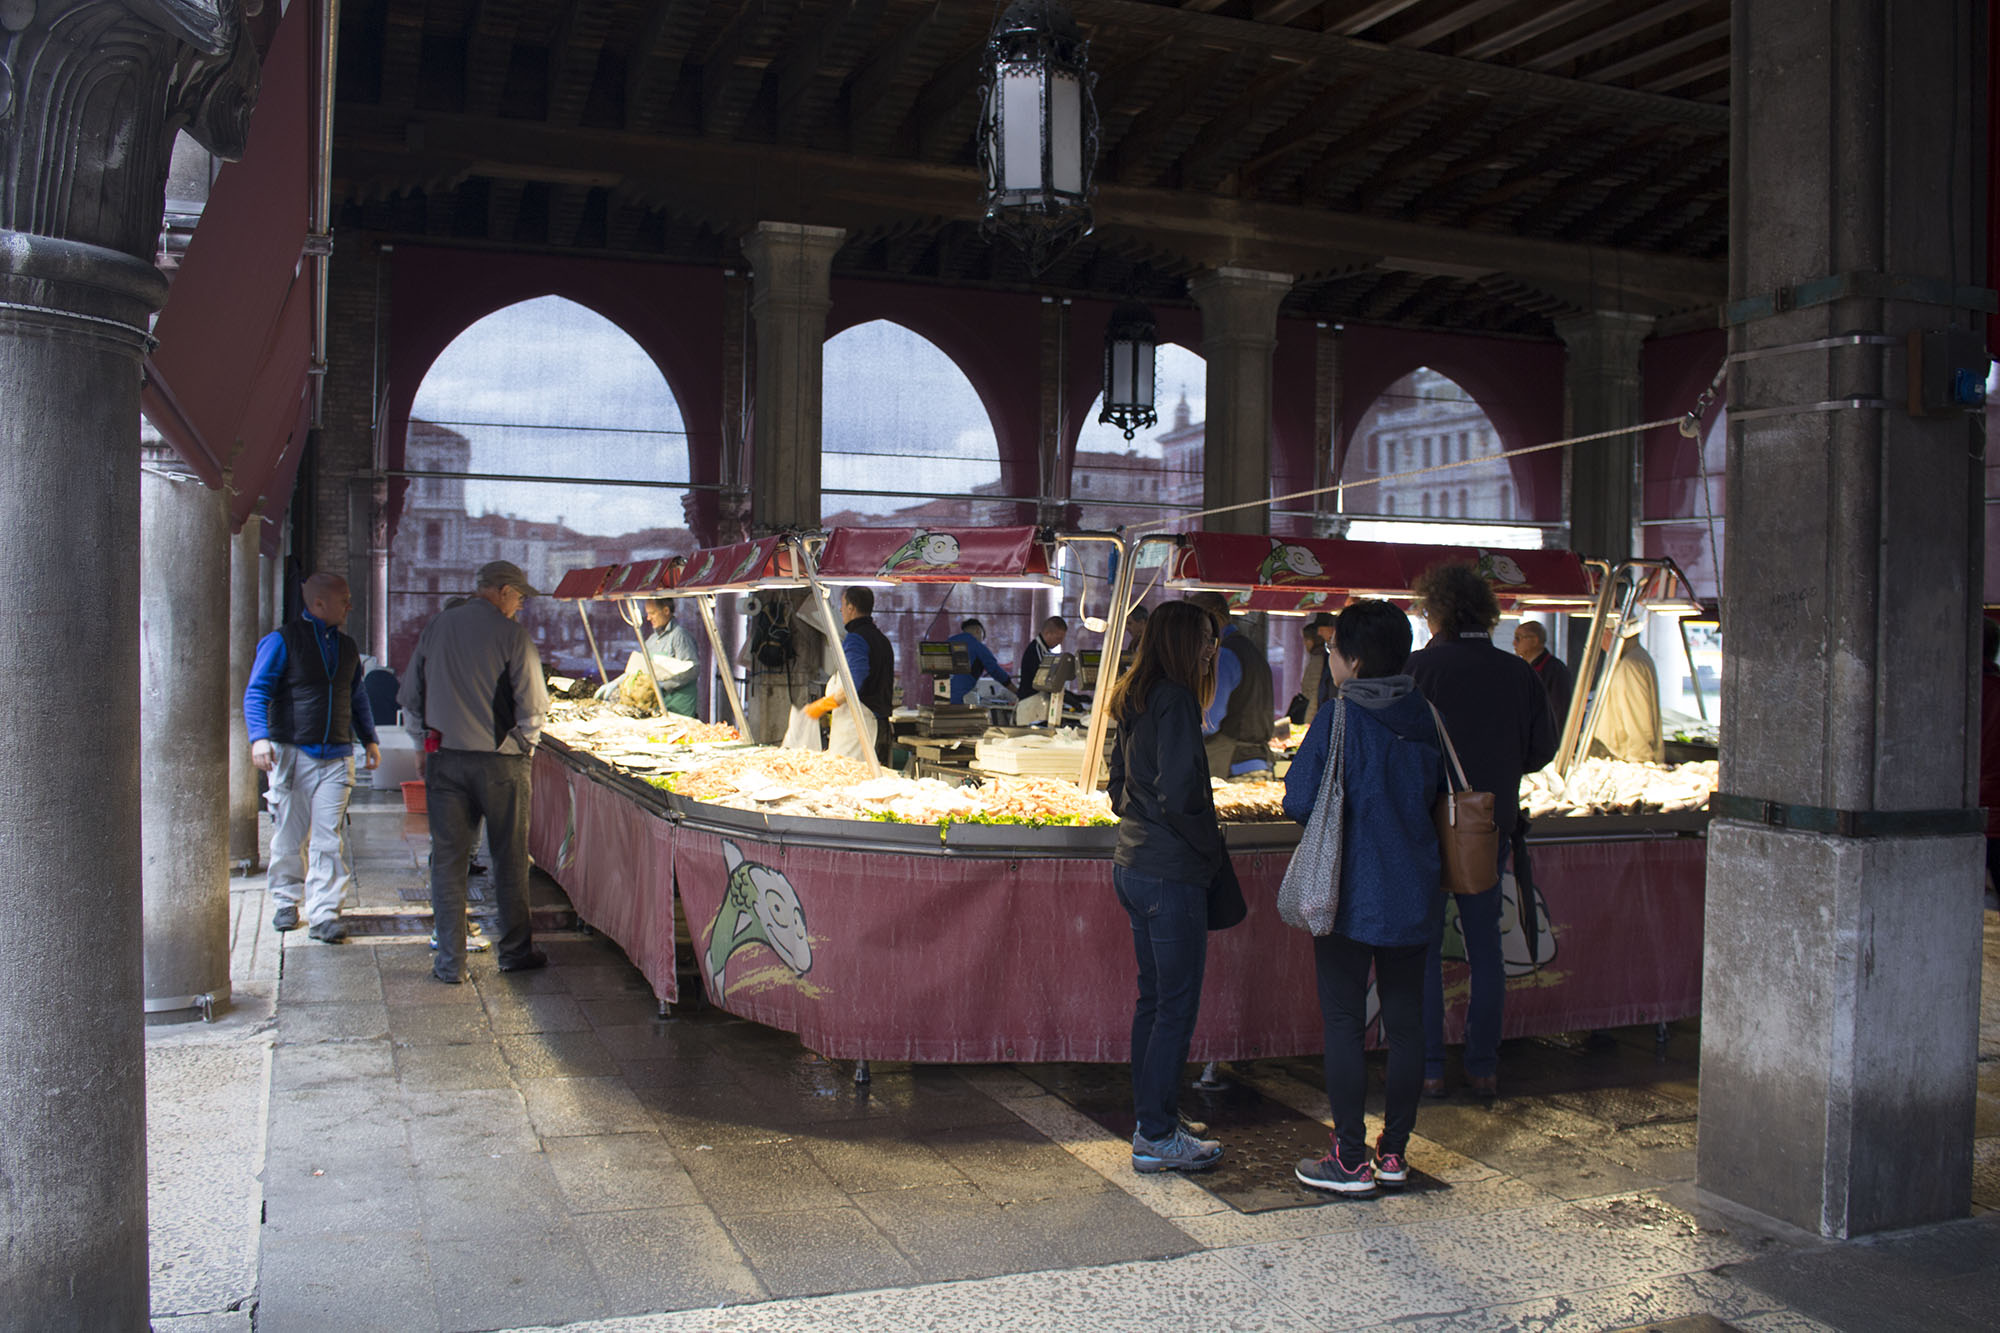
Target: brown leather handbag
[1468, 840]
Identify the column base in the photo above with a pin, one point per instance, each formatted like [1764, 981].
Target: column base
[1840, 1027]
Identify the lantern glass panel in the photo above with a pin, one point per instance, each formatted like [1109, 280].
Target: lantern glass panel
[1142, 355]
[1122, 359]
[1065, 132]
[1021, 128]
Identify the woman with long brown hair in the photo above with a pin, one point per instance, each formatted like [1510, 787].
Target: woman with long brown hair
[1169, 851]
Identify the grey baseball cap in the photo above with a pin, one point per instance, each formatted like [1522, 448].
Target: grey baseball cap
[505, 574]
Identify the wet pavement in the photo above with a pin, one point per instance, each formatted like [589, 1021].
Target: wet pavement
[355, 1146]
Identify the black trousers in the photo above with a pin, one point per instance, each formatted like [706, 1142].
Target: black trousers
[1342, 966]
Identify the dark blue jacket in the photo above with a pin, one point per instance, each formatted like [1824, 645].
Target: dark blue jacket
[270, 673]
[1389, 870]
[1159, 789]
[984, 663]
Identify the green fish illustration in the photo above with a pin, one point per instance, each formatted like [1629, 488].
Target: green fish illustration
[759, 906]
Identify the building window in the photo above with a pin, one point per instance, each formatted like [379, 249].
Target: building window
[1464, 495]
[1388, 504]
[1464, 442]
[433, 540]
[1427, 504]
[1506, 501]
[1427, 451]
[1083, 482]
[1375, 455]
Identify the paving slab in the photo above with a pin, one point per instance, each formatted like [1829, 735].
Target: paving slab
[345, 1283]
[502, 1282]
[667, 1258]
[204, 1145]
[458, 1068]
[618, 1172]
[508, 1197]
[815, 1252]
[557, 1055]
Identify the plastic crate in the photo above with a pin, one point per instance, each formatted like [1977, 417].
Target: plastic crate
[413, 798]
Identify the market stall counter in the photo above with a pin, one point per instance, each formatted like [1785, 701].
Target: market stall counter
[969, 941]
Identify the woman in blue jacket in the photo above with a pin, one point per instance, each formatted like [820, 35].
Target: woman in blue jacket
[1390, 900]
[1169, 851]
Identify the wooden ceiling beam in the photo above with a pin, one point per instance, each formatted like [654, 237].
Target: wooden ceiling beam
[1157, 126]
[1281, 11]
[1119, 22]
[402, 54]
[947, 110]
[731, 184]
[1460, 17]
[1225, 129]
[573, 52]
[733, 67]
[1599, 38]
[882, 92]
[654, 70]
[1366, 17]
[1694, 73]
[489, 52]
[810, 75]
[1548, 20]
[1655, 55]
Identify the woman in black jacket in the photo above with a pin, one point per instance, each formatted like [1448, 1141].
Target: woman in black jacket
[1169, 851]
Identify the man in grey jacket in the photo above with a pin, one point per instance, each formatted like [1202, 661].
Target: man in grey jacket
[474, 697]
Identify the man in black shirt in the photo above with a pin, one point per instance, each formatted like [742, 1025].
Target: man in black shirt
[1531, 645]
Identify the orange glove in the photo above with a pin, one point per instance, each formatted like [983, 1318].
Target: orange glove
[819, 708]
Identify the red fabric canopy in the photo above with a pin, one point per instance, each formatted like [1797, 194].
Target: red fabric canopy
[227, 382]
[931, 555]
[582, 584]
[1279, 573]
[641, 578]
[742, 566]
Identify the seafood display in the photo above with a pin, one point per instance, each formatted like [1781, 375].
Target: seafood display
[1613, 786]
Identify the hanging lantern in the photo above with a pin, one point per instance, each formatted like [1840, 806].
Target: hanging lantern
[1037, 130]
[1130, 341]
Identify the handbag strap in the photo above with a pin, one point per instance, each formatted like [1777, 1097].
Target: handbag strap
[1334, 773]
[1457, 770]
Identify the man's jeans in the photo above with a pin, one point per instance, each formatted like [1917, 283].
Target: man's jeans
[461, 787]
[1170, 937]
[1479, 927]
[309, 835]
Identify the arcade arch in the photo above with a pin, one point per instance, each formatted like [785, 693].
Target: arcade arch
[542, 388]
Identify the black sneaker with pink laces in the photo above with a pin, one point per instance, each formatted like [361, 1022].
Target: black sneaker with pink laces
[1332, 1174]
[1391, 1168]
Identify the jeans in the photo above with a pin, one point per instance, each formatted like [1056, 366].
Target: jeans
[461, 787]
[1342, 967]
[309, 836]
[1479, 924]
[1170, 937]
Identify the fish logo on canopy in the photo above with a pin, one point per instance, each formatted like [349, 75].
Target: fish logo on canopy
[749, 563]
[923, 553]
[759, 906]
[700, 569]
[1289, 563]
[1499, 567]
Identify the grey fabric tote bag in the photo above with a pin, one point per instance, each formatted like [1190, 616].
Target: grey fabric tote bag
[1310, 893]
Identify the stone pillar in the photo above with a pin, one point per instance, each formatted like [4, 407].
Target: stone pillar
[185, 655]
[1840, 1000]
[1601, 391]
[1239, 331]
[792, 266]
[246, 852]
[84, 104]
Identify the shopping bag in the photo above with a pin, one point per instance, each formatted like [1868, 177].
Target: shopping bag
[803, 732]
[1468, 841]
[1309, 895]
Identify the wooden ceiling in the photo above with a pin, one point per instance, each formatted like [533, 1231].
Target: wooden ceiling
[1477, 164]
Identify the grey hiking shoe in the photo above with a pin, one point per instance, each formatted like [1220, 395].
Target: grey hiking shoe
[330, 931]
[285, 918]
[1179, 1151]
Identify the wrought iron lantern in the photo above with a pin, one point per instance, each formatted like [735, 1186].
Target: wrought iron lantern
[1037, 130]
[1130, 343]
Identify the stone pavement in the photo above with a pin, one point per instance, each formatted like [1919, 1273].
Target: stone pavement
[354, 1146]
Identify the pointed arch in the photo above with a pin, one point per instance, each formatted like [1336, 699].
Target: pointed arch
[1425, 419]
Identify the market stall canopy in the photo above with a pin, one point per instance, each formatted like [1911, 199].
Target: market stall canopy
[641, 578]
[742, 567]
[890, 556]
[228, 385]
[1303, 574]
[580, 585]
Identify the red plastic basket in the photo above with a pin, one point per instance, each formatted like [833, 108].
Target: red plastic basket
[413, 798]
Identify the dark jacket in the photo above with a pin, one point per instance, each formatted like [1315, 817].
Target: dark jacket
[1246, 728]
[312, 702]
[1389, 871]
[1495, 710]
[1557, 683]
[1159, 790]
[878, 688]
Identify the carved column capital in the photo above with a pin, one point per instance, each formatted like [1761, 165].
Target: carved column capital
[91, 95]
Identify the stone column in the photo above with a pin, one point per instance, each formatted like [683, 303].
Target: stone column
[246, 852]
[84, 137]
[1840, 1000]
[1601, 391]
[792, 266]
[185, 655]
[1239, 331]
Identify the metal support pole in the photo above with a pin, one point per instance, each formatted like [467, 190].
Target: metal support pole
[850, 696]
[1107, 666]
[705, 602]
[1694, 672]
[590, 637]
[636, 618]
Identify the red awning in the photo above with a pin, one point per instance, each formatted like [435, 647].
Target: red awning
[1275, 573]
[226, 383]
[641, 578]
[739, 568]
[582, 584]
[931, 555]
